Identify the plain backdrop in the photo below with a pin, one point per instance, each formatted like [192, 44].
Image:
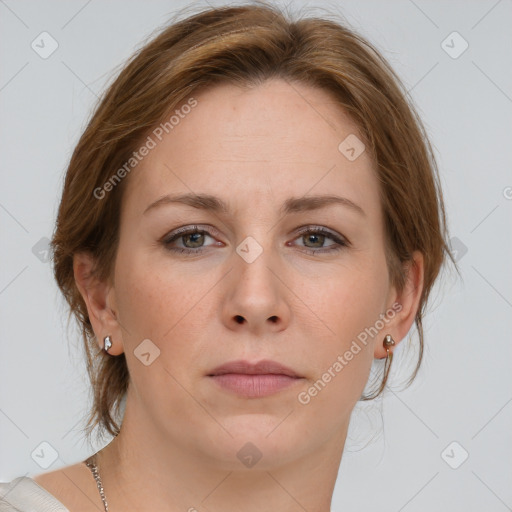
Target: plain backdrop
[442, 444]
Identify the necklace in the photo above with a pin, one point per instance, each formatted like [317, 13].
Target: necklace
[91, 464]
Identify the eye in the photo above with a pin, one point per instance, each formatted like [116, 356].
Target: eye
[314, 237]
[192, 239]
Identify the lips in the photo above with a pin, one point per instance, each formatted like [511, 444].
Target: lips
[254, 380]
[264, 367]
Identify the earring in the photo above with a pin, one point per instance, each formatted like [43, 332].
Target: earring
[388, 342]
[107, 343]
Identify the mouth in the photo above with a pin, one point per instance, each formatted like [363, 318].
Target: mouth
[264, 367]
[254, 380]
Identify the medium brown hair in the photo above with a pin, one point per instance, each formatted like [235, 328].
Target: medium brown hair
[245, 45]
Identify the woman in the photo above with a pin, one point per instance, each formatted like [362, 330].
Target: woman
[250, 219]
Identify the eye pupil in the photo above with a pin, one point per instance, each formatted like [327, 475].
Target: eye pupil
[198, 242]
[318, 237]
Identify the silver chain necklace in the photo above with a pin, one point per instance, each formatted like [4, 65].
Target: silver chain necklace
[91, 464]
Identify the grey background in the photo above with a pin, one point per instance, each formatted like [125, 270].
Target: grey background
[393, 458]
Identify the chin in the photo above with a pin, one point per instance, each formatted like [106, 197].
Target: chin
[256, 441]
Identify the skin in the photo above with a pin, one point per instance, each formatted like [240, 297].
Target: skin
[254, 148]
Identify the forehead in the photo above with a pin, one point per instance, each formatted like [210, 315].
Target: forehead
[256, 146]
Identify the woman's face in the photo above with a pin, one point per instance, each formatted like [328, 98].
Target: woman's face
[252, 284]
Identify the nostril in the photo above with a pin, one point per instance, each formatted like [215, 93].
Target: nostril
[239, 319]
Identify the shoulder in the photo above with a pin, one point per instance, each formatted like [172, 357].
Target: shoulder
[23, 494]
[73, 485]
[69, 488]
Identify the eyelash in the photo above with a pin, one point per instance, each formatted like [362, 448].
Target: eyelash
[340, 243]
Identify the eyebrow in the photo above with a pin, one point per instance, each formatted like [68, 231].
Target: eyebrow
[208, 202]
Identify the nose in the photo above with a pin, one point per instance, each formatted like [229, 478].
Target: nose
[256, 298]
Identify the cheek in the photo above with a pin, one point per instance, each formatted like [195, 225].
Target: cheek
[159, 301]
[347, 307]
[347, 300]
[153, 299]
[154, 303]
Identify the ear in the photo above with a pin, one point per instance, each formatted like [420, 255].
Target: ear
[405, 304]
[99, 297]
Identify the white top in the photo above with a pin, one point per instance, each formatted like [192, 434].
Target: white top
[24, 495]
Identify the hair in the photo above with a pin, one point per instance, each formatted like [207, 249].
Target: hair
[244, 45]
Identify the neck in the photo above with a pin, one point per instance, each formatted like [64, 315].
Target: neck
[144, 469]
